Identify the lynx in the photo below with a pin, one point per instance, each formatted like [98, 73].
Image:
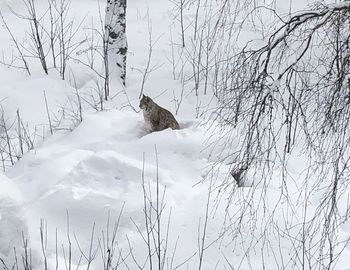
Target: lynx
[157, 117]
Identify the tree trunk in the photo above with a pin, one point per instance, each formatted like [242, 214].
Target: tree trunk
[115, 35]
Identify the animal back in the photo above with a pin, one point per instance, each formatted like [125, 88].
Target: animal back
[167, 119]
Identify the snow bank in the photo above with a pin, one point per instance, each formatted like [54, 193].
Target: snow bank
[12, 224]
[97, 168]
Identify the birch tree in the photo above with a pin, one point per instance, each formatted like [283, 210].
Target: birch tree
[115, 37]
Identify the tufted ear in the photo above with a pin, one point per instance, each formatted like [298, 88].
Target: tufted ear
[143, 95]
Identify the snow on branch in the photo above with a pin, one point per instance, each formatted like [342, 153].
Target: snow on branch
[299, 79]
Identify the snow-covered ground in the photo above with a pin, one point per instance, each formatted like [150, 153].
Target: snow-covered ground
[86, 172]
[97, 168]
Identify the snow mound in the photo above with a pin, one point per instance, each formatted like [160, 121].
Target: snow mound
[11, 223]
[97, 168]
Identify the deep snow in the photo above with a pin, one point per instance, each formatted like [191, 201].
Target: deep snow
[94, 169]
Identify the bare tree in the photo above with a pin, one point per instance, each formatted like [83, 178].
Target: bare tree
[287, 95]
[17, 46]
[35, 34]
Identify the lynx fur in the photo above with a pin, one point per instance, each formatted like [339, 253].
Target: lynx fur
[157, 117]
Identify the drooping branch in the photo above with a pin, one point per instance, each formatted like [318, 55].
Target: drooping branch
[304, 62]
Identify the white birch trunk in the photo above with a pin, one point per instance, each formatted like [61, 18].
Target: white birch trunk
[115, 36]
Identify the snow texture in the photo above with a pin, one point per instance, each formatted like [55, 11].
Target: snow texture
[86, 172]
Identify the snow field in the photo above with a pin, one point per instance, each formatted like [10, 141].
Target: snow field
[97, 167]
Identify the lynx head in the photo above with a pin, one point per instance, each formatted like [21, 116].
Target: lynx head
[146, 103]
